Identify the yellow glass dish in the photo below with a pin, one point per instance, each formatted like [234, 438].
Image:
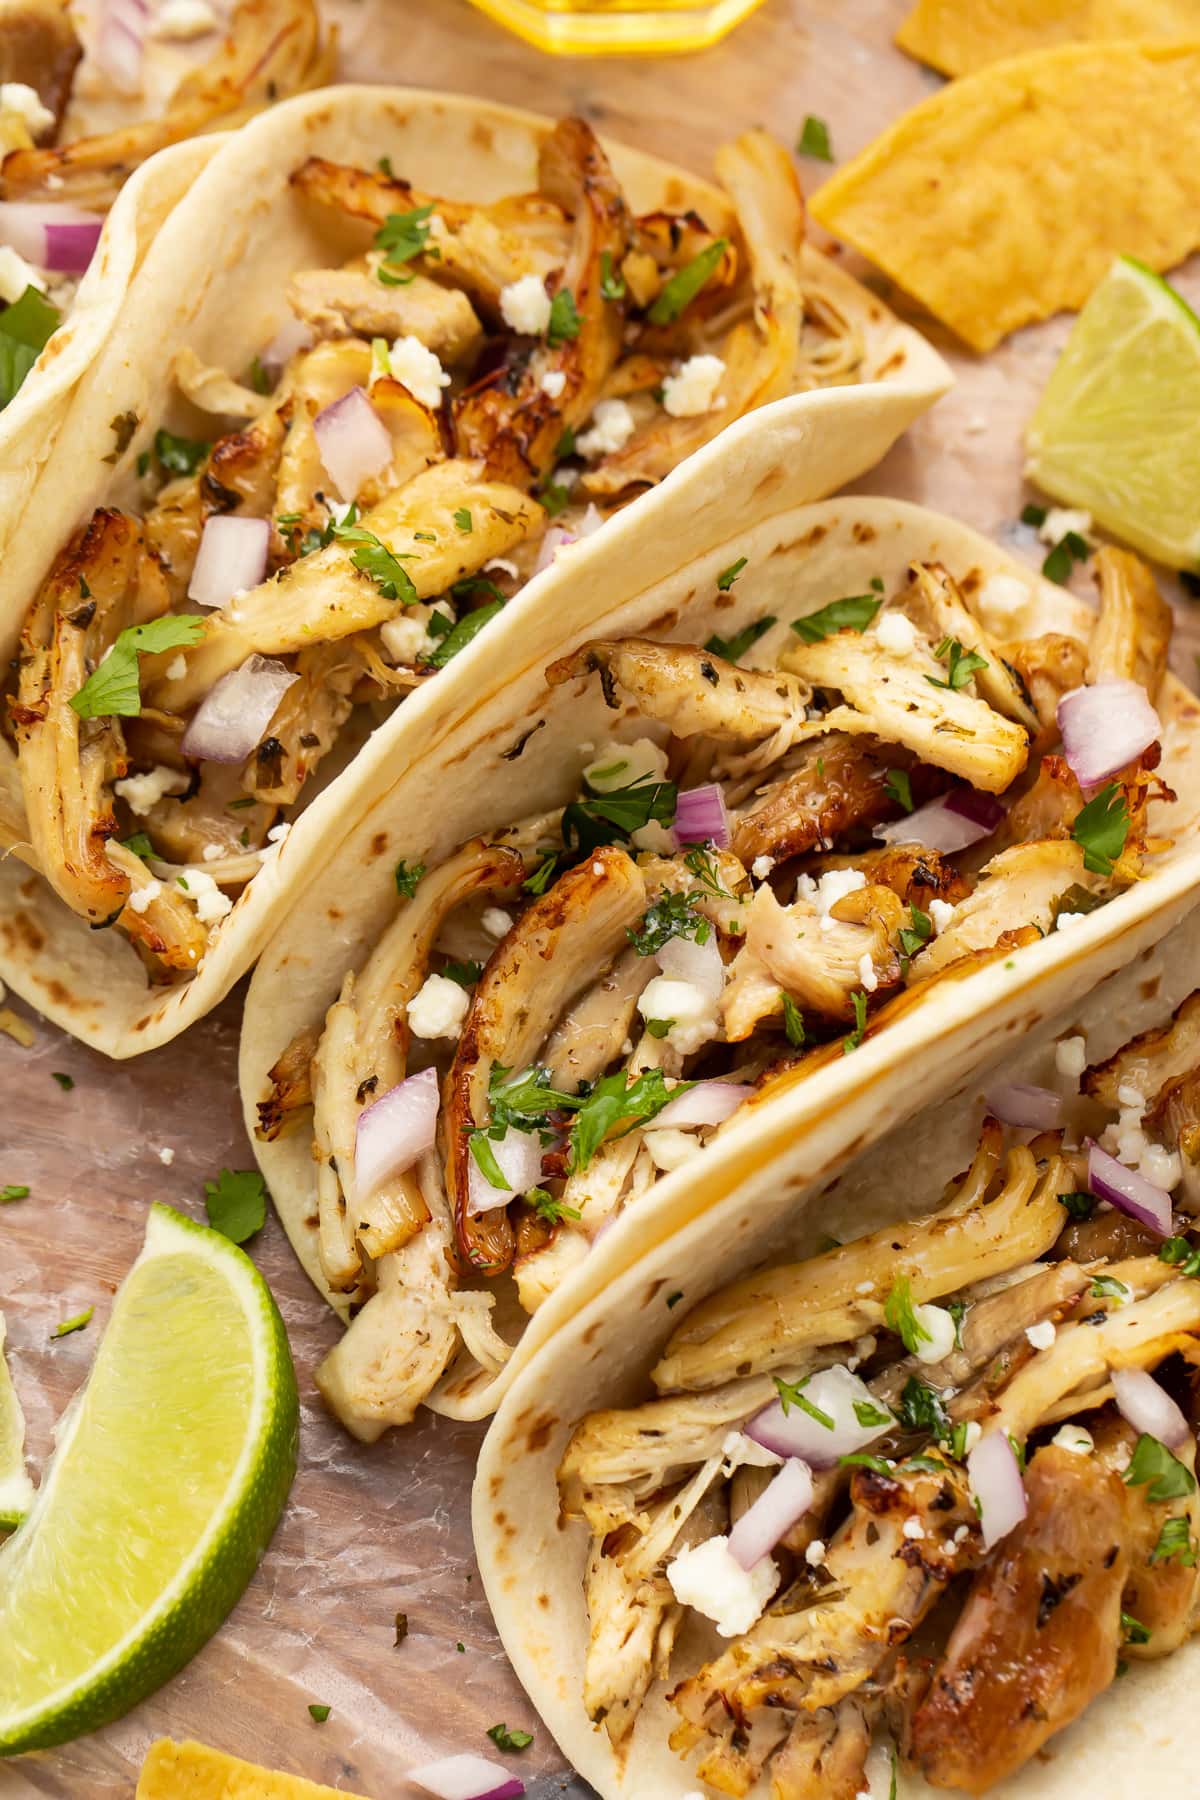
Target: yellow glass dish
[618, 27]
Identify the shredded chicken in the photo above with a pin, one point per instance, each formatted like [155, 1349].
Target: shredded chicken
[690, 689]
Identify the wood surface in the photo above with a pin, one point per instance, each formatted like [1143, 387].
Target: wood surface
[371, 1532]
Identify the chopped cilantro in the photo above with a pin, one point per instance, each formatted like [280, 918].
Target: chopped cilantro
[733, 649]
[1033, 515]
[179, 455]
[671, 916]
[674, 1299]
[867, 1413]
[614, 1107]
[704, 867]
[260, 379]
[548, 1208]
[485, 1157]
[140, 844]
[540, 880]
[918, 933]
[65, 1082]
[659, 1028]
[1134, 1631]
[566, 444]
[75, 1324]
[236, 1203]
[1101, 829]
[958, 1312]
[1178, 1250]
[1079, 1205]
[854, 613]
[612, 285]
[463, 520]
[814, 139]
[26, 327]
[564, 319]
[791, 1393]
[861, 1459]
[407, 879]
[900, 1316]
[921, 1409]
[526, 1100]
[384, 165]
[504, 1739]
[1153, 1463]
[319, 1712]
[465, 973]
[1066, 553]
[854, 1038]
[401, 237]
[112, 689]
[898, 783]
[960, 666]
[373, 558]
[1076, 899]
[553, 496]
[681, 289]
[15, 1190]
[1107, 1287]
[895, 1773]
[463, 633]
[727, 577]
[1175, 1543]
[793, 1022]
[605, 818]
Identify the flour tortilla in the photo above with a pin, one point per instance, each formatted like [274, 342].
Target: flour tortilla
[796, 558]
[796, 1188]
[214, 282]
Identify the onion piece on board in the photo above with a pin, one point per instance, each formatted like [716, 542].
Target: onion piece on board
[467, 1777]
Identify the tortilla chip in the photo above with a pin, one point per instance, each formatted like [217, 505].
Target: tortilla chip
[960, 36]
[194, 1772]
[1004, 198]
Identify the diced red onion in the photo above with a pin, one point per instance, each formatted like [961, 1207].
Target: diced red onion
[708, 1103]
[1104, 727]
[519, 1157]
[394, 1131]
[467, 1777]
[1017, 1103]
[796, 1433]
[952, 822]
[700, 816]
[1149, 1407]
[1128, 1190]
[683, 959]
[353, 442]
[293, 335]
[556, 539]
[776, 1510]
[233, 717]
[995, 1479]
[232, 557]
[120, 43]
[59, 238]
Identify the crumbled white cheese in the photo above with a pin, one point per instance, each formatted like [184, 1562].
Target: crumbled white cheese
[688, 1008]
[210, 903]
[833, 886]
[897, 633]
[502, 566]
[212, 853]
[525, 306]
[16, 275]
[18, 97]
[941, 912]
[1161, 1166]
[1076, 1438]
[1066, 919]
[612, 427]
[939, 1324]
[142, 897]
[1128, 1095]
[977, 425]
[1129, 1144]
[963, 1532]
[142, 792]
[404, 638]
[1070, 1056]
[553, 382]
[622, 765]
[814, 1555]
[1002, 602]
[864, 1287]
[761, 867]
[1063, 519]
[1041, 1335]
[419, 370]
[971, 1437]
[913, 1528]
[708, 1579]
[166, 1155]
[183, 20]
[670, 1148]
[693, 389]
[278, 832]
[439, 1008]
[496, 922]
[866, 972]
[177, 667]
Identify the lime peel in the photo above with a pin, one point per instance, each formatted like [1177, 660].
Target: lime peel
[16, 1489]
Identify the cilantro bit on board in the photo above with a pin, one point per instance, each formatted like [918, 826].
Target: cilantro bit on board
[504, 1739]
[65, 1082]
[814, 139]
[319, 1712]
[75, 1324]
[236, 1203]
[16, 1190]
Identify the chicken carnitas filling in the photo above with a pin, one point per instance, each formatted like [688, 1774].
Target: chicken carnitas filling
[742, 887]
[447, 412]
[934, 1485]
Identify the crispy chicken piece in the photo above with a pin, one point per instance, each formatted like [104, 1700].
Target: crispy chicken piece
[825, 1756]
[1133, 633]
[39, 48]
[1039, 1635]
[1174, 1120]
[1151, 1061]
[102, 582]
[1048, 667]
[896, 701]
[589, 1037]
[1160, 1590]
[689, 689]
[167, 927]
[838, 785]
[917, 875]
[759, 354]
[560, 945]
[770, 1318]
[515, 427]
[353, 302]
[290, 1091]
[1019, 886]
[213, 390]
[273, 49]
[786, 950]
[325, 596]
[935, 605]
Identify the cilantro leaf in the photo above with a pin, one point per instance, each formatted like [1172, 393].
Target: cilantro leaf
[26, 327]
[867, 1413]
[401, 237]
[734, 648]
[75, 1324]
[504, 1739]
[898, 783]
[704, 867]
[682, 287]
[854, 613]
[319, 1712]
[603, 818]
[793, 1022]
[854, 1038]
[1134, 1631]
[1066, 553]
[862, 1459]
[727, 577]
[139, 844]
[65, 1082]
[791, 1393]
[1033, 515]
[407, 879]
[461, 634]
[672, 916]
[921, 1409]
[1082, 1206]
[612, 286]
[962, 664]
[814, 139]
[1101, 829]
[547, 1207]
[16, 1190]
[465, 973]
[113, 690]
[564, 319]
[179, 455]
[540, 880]
[1152, 1463]
[614, 1107]
[463, 519]
[373, 558]
[480, 1147]
[912, 937]
[899, 1315]
[1175, 1543]
[526, 1100]
[236, 1203]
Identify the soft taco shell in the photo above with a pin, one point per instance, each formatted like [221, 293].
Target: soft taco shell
[834, 1173]
[215, 283]
[462, 784]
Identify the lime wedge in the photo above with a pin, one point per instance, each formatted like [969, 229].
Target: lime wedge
[171, 1469]
[1117, 430]
[16, 1489]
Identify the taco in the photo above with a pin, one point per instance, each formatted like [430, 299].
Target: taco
[905, 1455]
[742, 839]
[297, 521]
[72, 233]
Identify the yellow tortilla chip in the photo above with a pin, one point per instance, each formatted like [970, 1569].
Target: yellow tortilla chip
[194, 1772]
[1005, 197]
[960, 36]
